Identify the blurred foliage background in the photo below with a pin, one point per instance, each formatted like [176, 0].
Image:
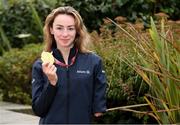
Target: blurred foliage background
[22, 20]
[21, 23]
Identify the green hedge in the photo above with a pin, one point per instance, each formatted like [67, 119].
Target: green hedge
[15, 73]
[125, 87]
[20, 24]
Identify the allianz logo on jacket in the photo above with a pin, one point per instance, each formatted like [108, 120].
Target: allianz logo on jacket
[83, 71]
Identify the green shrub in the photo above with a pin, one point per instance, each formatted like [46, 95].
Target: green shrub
[125, 86]
[158, 65]
[19, 24]
[15, 73]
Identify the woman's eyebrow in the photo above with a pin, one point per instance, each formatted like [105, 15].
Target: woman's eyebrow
[67, 26]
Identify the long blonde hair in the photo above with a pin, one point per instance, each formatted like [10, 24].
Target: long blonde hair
[82, 38]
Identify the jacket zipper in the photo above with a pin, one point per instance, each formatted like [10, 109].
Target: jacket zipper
[68, 90]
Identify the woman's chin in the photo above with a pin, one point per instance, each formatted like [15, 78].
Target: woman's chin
[67, 45]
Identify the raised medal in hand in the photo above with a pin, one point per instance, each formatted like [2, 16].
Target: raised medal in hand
[47, 57]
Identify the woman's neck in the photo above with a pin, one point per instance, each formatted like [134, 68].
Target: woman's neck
[65, 53]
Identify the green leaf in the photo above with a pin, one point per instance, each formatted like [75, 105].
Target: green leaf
[36, 18]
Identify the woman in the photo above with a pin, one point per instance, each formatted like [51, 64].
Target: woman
[71, 90]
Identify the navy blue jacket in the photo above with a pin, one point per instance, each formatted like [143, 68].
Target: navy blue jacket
[78, 94]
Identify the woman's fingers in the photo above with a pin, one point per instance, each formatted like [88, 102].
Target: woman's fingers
[48, 68]
[50, 71]
[55, 69]
[45, 64]
[51, 67]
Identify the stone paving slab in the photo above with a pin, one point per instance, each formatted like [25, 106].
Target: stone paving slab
[7, 116]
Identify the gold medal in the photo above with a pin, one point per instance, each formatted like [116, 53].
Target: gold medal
[47, 57]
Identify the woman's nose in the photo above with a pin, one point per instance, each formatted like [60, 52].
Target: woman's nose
[65, 32]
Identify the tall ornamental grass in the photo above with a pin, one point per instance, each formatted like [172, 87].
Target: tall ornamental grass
[159, 66]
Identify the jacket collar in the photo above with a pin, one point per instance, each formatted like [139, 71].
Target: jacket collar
[59, 58]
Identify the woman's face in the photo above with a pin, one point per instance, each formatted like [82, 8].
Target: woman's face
[64, 30]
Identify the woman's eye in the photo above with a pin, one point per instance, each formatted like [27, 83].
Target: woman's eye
[71, 28]
[59, 28]
[63, 29]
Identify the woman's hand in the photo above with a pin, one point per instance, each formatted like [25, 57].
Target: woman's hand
[50, 71]
[98, 114]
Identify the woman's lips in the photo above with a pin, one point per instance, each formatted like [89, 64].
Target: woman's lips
[64, 39]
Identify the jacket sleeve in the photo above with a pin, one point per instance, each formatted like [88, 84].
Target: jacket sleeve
[43, 93]
[100, 89]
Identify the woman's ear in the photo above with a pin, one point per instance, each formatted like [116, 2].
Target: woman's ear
[51, 30]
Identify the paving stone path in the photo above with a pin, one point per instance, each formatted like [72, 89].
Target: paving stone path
[11, 113]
